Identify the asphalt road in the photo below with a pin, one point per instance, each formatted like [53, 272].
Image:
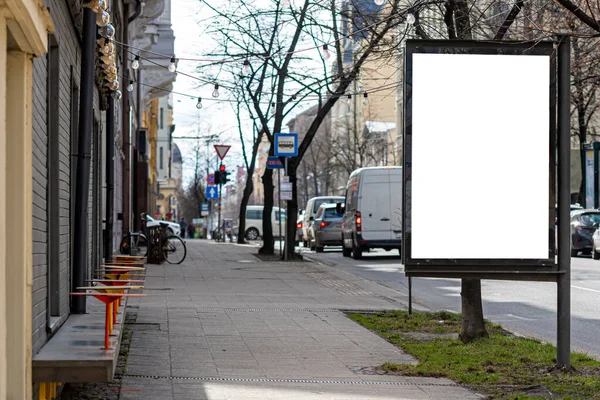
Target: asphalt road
[528, 308]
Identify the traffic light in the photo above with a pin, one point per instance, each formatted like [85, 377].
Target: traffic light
[217, 177]
[223, 179]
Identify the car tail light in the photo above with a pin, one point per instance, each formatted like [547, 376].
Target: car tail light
[358, 222]
[299, 225]
[324, 224]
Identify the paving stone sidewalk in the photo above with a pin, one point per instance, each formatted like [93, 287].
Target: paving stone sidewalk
[225, 325]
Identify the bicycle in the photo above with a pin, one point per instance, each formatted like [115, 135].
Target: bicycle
[173, 246]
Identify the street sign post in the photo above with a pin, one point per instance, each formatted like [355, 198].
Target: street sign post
[222, 150]
[212, 192]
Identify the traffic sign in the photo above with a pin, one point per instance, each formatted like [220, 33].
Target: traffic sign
[286, 144]
[274, 163]
[204, 207]
[212, 192]
[222, 150]
[285, 195]
[210, 179]
[286, 186]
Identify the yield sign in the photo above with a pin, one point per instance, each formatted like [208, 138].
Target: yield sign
[222, 150]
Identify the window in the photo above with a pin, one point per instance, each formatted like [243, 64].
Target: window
[332, 213]
[283, 216]
[161, 156]
[161, 116]
[254, 214]
[53, 168]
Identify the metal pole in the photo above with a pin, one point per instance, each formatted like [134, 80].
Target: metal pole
[285, 248]
[82, 186]
[279, 195]
[563, 340]
[219, 212]
[110, 176]
[409, 295]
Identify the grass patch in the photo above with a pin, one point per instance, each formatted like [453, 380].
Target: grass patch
[502, 366]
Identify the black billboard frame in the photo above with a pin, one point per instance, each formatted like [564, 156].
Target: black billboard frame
[546, 269]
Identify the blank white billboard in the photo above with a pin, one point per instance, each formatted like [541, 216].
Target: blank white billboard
[480, 156]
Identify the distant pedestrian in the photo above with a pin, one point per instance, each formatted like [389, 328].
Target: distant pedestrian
[191, 231]
[183, 226]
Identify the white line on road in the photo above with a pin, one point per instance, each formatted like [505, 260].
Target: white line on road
[583, 288]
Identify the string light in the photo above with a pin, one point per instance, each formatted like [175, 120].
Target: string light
[294, 97]
[379, 2]
[108, 47]
[108, 59]
[130, 86]
[114, 85]
[215, 92]
[272, 108]
[136, 62]
[199, 103]
[97, 5]
[410, 18]
[172, 67]
[110, 31]
[102, 18]
[117, 94]
[365, 100]
[326, 54]
[349, 102]
[246, 67]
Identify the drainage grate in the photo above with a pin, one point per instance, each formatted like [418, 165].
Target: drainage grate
[312, 310]
[144, 326]
[273, 380]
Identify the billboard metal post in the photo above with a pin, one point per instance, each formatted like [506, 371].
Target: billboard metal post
[279, 195]
[563, 306]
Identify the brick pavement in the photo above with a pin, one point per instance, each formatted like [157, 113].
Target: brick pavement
[225, 325]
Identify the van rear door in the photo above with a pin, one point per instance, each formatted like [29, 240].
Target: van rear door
[396, 202]
[374, 205]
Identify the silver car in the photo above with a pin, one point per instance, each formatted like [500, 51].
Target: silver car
[326, 228]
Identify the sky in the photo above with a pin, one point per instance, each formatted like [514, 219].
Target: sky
[215, 117]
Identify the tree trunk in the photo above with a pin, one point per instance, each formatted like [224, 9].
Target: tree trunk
[291, 212]
[243, 205]
[582, 132]
[268, 244]
[473, 326]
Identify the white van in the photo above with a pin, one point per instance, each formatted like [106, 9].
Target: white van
[254, 223]
[372, 211]
[312, 206]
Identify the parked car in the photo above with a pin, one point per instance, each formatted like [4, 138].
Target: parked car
[299, 235]
[583, 226]
[312, 206]
[327, 228]
[254, 222]
[373, 211]
[173, 228]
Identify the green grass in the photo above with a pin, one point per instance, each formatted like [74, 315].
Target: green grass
[502, 366]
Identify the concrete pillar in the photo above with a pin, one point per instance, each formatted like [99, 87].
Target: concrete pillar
[19, 67]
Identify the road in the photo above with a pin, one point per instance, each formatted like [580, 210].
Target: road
[528, 308]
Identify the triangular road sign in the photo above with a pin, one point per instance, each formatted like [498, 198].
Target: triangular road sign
[222, 150]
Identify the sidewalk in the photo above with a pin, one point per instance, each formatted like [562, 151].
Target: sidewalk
[225, 325]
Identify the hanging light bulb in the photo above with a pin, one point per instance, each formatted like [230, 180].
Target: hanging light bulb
[246, 67]
[326, 54]
[136, 62]
[272, 108]
[199, 103]
[94, 6]
[110, 31]
[172, 66]
[108, 59]
[410, 18]
[108, 48]
[365, 100]
[215, 92]
[379, 2]
[113, 85]
[102, 18]
[294, 97]
[349, 102]
[117, 94]
[103, 4]
[130, 86]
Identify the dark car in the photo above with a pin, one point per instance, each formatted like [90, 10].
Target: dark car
[327, 228]
[583, 225]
